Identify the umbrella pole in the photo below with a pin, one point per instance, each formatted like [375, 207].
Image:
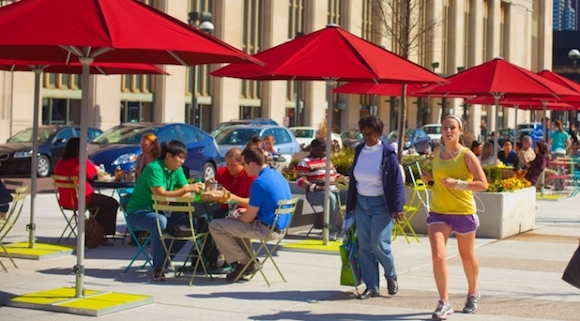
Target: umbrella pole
[79, 269]
[34, 157]
[516, 127]
[544, 137]
[496, 97]
[330, 83]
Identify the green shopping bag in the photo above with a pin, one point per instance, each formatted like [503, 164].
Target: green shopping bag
[350, 273]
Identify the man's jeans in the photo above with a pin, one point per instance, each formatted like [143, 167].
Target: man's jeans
[146, 221]
[374, 226]
[317, 198]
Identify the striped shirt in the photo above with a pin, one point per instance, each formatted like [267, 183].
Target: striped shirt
[311, 172]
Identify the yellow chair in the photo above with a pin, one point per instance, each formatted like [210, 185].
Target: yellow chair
[68, 182]
[419, 198]
[7, 223]
[180, 206]
[285, 208]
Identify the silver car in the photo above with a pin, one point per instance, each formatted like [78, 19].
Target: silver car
[240, 135]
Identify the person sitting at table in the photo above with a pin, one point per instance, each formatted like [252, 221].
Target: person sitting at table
[508, 156]
[268, 147]
[486, 157]
[255, 141]
[104, 208]
[162, 177]
[311, 173]
[150, 150]
[234, 179]
[255, 222]
[539, 165]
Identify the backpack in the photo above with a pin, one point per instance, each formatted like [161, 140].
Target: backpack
[94, 232]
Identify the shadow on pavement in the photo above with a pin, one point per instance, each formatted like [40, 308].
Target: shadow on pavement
[300, 296]
[307, 315]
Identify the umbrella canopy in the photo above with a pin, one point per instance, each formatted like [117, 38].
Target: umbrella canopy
[500, 78]
[105, 68]
[367, 88]
[102, 31]
[527, 104]
[115, 31]
[331, 53]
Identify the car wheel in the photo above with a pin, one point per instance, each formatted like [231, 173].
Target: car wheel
[208, 171]
[43, 166]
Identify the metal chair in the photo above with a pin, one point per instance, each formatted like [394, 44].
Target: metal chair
[124, 197]
[285, 207]
[6, 224]
[341, 184]
[70, 183]
[419, 198]
[180, 206]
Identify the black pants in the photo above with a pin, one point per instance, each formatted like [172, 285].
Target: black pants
[107, 211]
[209, 250]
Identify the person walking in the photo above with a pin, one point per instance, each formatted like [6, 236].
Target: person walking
[559, 141]
[456, 174]
[376, 194]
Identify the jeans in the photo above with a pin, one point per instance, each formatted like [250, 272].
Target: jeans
[317, 198]
[146, 220]
[374, 224]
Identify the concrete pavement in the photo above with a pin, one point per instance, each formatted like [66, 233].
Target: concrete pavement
[520, 279]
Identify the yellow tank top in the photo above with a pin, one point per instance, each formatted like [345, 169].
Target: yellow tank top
[451, 201]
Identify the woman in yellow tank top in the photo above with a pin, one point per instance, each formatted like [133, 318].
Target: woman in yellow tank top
[456, 174]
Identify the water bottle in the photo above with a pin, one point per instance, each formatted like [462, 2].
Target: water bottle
[198, 194]
[133, 174]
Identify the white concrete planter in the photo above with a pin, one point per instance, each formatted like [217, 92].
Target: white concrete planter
[500, 214]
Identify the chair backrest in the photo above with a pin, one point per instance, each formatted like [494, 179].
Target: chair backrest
[341, 183]
[285, 207]
[65, 183]
[14, 212]
[11, 186]
[183, 205]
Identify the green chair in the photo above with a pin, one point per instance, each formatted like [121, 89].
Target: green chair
[7, 223]
[285, 208]
[181, 206]
[124, 197]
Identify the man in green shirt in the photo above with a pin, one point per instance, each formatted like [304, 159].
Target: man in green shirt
[162, 177]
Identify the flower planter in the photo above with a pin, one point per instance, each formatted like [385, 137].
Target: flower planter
[500, 214]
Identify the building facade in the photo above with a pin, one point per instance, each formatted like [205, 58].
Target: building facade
[457, 34]
[564, 17]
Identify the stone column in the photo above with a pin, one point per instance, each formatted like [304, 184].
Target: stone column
[273, 93]
[226, 91]
[22, 101]
[105, 101]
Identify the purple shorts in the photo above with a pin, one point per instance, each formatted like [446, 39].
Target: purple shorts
[460, 224]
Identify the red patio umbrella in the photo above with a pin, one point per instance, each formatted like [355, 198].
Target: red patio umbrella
[563, 81]
[498, 79]
[74, 68]
[103, 31]
[365, 88]
[330, 54]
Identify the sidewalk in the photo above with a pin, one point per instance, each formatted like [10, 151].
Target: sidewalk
[520, 279]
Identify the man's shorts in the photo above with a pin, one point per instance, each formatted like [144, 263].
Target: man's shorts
[460, 224]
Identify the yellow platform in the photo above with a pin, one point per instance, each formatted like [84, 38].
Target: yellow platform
[39, 252]
[94, 303]
[313, 246]
[550, 197]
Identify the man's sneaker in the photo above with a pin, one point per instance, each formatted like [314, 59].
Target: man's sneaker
[471, 303]
[443, 310]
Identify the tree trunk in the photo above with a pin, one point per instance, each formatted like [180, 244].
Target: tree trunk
[403, 121]
[405, 45]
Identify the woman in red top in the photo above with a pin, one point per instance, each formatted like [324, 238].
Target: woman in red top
[68, 165]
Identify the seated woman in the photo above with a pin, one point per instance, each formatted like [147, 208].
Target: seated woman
[486, 157]
[268, 148]
[104, 207]
[508, 156]
[536, 167]
[150, 150]
[476, 147]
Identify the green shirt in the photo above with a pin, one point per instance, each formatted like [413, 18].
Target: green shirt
[156, 174]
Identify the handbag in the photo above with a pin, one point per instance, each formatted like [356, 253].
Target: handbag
[572, 271]
[94, 232]
[350, 273]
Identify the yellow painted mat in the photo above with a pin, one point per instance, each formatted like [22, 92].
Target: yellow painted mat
[550, 197]
[94, 303]
[39, 252]
[313, 245]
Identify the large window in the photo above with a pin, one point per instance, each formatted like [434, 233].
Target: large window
[61, 111]
[251, 42]
[294, 89]
[334, 12]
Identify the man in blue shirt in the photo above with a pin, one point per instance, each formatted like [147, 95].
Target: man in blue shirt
[255, 222]
[538, 133]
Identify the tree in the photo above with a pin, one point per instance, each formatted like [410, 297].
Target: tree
[405, 23]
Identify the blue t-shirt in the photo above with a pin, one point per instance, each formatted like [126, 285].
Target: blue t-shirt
[559, 141]
[269, 188]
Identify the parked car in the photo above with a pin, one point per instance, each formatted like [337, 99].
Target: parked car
[526, 129]
[416, 139]
[233, 122]
[119, 146]
[433, 130]
[351, 138]
[240, 135]
[16, 153]
[305, 135]
[506, 134]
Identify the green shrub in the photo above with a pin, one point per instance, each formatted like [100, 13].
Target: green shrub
[343, 161]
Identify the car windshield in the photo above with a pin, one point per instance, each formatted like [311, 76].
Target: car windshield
[25, 136]
[303, 133]
[353, 134]
[236, 136]
[123, 135]
[432, 129]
